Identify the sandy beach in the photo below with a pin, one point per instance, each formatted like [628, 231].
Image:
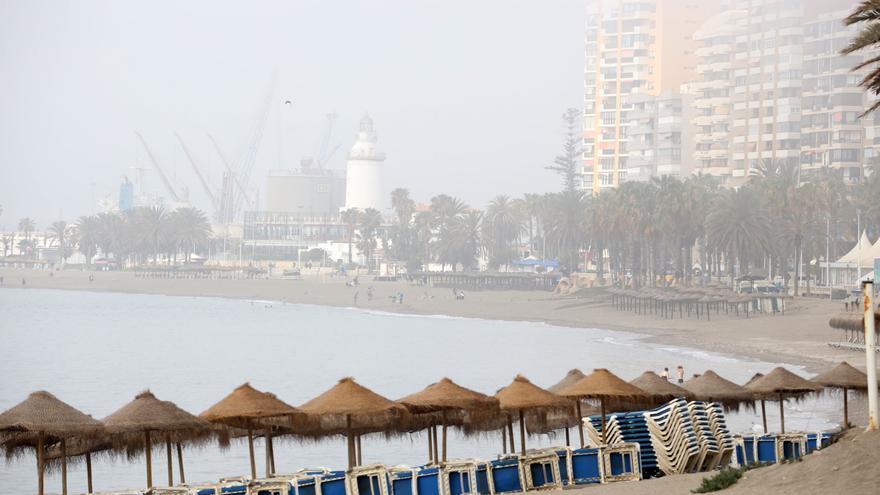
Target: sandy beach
[799, 337]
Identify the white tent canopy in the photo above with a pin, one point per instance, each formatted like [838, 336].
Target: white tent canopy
[862, 253]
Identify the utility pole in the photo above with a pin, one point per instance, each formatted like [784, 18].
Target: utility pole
[828, 257]
[870, 352]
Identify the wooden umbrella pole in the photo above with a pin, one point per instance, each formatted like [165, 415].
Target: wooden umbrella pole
[180, 463]
[764, 415]
[63, 466]
[436, 444]
[360, 453]
[350, 440]
[604, 432]
[40, 457]
[781, 414]
[170, 459]
[504, 439]
[567, 438]
[522, 432]
[267, 455]
[580, 419]
[845, 410]
[431, 445]
[89, 471]
[443, 418]
[510, 435]
[148, 451]
[250, 433]
[271, 452]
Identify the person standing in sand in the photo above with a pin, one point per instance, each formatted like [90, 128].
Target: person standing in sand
[665, 374]
[356, 297]
[679, 371]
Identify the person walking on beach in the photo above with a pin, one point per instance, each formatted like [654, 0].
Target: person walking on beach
[665, 374]
[356, 297]
[679, 372]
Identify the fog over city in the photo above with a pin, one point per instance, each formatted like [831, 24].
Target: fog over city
[457, 89]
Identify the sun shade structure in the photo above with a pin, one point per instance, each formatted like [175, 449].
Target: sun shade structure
[453, 403]
[658, 389]
[522, 396]
[844, 377]
[566, 421]
[752, 380]
[710, 387]
[146, 415]
[352, 409]
[605, 386]
[49, 419]
[780, 384]
[243, 408]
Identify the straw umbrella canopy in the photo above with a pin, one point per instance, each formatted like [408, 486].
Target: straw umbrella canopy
[453, 403]
[781, 384]
[351, 408]
[243, 407]
[145, 415]
[605, 386]
[48, 418]
[844, 377]
[522, 396]
[752, 380]
[659, 389]
[573, 376]
[710, 387]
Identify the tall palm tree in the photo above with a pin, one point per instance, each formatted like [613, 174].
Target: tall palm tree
[190, 230]
[738, 226]
[88, 235]
[404, 207]
[26, 225]
[351, 218]
[370, 221]
[867, 13]
[459, 242]
[502, 227]
[152, 225]
[59, 232]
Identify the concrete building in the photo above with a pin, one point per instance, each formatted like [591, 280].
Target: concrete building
[639, 47]
[659, 135]
[364, 170]
[305, 192]
[832, 134]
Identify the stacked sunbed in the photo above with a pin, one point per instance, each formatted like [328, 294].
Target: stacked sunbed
[777, 447]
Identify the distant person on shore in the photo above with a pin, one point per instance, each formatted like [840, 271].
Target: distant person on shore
[370, 293]
[1, 281]
[23, 282]
[356, 297]
[400, 297]
[679, 372]
[91, 278]
[665, 374]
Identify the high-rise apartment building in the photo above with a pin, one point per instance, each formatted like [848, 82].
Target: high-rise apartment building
[634, 48]
[832, 132]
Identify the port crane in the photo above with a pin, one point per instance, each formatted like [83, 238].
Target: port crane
[176, 197]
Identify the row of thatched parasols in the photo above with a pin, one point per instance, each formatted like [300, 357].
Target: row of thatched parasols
[57, 431]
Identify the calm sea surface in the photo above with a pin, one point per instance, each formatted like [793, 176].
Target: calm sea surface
[96, 351]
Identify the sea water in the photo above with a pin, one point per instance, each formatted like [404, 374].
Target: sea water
[96, 351]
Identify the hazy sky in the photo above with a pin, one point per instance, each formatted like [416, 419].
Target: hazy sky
[466, 95]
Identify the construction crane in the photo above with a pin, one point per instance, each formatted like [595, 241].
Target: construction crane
[202, 180]
[241, 189]
[324, 153]
[250, 154]
[162, 175]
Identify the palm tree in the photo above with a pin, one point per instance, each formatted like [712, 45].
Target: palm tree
[59, 232]
[459, 243]
[350, 218]
[502, 227]
[737, 224]
[190, 230]
[26, 225]
[404, 207]
[370, 221]
[151, 225]
[868, 14]
[88, 235]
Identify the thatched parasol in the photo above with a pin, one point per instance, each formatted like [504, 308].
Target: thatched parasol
[351, 409]
[522, 396]
[752, 380]
[146, 414]
[44, 415]
[573, 376]
[448, 398]
[710, 387]
[781, 384]
[242, 407]
[846, 378]
[659, 389]
[606, 386]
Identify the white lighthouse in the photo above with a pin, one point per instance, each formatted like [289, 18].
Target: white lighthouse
[363, 181]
